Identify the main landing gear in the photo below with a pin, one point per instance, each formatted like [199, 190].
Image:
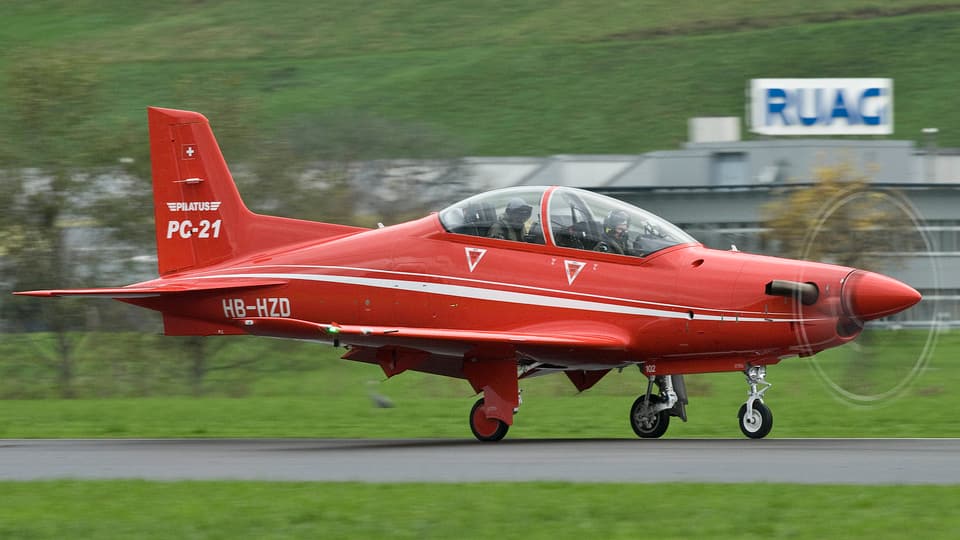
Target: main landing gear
[492, 415]
[650, 413]
[756, 420]
[486, 429]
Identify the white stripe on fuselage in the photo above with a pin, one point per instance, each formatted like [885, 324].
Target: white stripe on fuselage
[550, 292]
[481, 293]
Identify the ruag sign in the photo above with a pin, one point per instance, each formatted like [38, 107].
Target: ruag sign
[821, 106]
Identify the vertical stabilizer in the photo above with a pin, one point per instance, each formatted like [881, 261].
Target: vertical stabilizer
[196, 204]
[200, 218]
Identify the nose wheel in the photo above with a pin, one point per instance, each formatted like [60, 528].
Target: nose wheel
[758, 423]
[756, 420]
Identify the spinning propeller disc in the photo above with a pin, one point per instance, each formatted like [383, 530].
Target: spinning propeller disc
[880, 231]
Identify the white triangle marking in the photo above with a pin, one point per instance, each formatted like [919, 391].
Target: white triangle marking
[573, 270]
[473, 256]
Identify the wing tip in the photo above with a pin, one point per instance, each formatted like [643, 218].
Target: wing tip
[33, 293]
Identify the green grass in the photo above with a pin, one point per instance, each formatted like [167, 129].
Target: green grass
[137, 509]
[118, 31]
[530, 79]
[302, 390]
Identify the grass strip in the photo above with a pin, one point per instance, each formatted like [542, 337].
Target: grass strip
[140, 509]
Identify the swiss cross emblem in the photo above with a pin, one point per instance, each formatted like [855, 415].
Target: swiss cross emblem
[188, 151]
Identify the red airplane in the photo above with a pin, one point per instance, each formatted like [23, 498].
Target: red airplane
[505, 285]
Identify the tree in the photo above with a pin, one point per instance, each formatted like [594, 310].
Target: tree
[840, 219]
[57, 144]
[351, 167]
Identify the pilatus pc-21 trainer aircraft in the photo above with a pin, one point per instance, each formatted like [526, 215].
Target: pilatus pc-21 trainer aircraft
[505, 285]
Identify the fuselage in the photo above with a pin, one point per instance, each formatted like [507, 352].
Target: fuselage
[685, 308]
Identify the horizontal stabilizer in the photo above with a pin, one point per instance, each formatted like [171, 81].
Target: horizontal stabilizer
[160, 289]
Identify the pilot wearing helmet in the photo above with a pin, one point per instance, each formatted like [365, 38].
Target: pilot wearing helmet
[511, 222]
[614, 238]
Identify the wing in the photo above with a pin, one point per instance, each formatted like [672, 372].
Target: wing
[443, 351]
[161, 289]
[366, 336]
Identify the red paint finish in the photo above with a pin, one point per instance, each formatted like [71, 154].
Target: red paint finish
[868, 296]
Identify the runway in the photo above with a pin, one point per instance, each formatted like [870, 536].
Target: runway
[804, 461]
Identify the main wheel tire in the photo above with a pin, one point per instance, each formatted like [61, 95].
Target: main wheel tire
[486, 429]
[649, 427]
[759, 424]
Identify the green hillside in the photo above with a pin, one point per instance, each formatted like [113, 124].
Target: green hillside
[506, 78]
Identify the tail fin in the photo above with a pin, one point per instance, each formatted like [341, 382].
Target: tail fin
[200, 217]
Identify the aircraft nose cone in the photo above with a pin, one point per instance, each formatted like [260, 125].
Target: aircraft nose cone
[868, 295]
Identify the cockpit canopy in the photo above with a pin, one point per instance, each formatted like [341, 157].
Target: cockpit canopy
[574, 219]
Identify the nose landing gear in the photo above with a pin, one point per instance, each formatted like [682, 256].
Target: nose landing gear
[756, 420]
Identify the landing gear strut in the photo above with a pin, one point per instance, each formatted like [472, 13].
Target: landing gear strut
[756, 420]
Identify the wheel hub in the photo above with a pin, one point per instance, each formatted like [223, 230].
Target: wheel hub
[647, 422]
[752, 421]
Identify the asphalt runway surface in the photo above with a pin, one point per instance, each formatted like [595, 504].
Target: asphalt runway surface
[805, 461]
